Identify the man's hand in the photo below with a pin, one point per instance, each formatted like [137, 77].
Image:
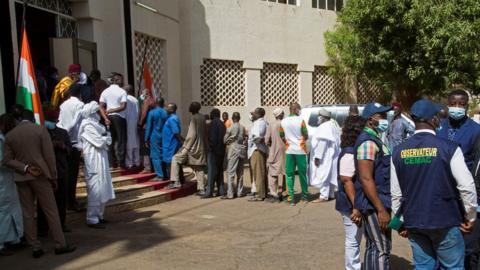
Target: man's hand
[383, 219]
[35, 171]
[317, 162]
[356, 217]
[403, 232]
[467, 226]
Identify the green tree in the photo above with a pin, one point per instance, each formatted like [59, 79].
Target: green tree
[409, 47]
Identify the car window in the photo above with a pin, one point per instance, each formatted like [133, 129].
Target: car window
[313, 119]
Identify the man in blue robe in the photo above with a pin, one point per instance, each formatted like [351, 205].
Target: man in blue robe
[171, 137]
[153, 137]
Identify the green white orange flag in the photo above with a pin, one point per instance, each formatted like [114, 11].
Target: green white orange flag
[27, 90]
[147, 82]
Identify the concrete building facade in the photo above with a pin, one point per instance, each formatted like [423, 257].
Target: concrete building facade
[235, 55]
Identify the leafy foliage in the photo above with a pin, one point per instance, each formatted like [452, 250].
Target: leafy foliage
[410, 47]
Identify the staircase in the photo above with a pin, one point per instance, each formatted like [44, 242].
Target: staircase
[134, 190]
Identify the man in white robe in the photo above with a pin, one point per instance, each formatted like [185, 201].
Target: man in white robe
[132, 158]
[95, 140]
[324, 156]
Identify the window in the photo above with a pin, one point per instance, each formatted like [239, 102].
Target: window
[335, 5]
[290, 2]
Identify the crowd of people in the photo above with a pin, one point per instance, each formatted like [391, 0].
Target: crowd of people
[415, 172]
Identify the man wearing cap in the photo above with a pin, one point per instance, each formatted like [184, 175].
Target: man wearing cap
[433, 217]
[324, 156]
[276, 157]
[401, 128]
[294, 132]
[59, 93]
[372, 196]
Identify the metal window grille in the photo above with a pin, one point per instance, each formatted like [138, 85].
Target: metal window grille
[155, 57]
[222, 83]
[326, 89]
[279, 84]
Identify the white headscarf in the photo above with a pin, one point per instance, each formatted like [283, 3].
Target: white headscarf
[82, 78]
[90, 111]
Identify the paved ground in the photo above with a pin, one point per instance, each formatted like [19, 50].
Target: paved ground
[190, 233]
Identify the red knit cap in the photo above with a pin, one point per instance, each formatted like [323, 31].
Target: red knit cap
[74, 68]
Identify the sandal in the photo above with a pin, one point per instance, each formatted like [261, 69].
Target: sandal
[319, 201]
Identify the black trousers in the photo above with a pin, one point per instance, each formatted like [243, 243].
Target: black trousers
[118, 129]
[73, 167]
[215, 174]
[472, 247]
[61, 200]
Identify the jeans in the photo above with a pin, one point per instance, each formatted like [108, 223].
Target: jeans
[118, 147]
[444, 246]
[353, 237]
[472, 246]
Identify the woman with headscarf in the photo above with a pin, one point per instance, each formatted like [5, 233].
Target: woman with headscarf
[95, 140]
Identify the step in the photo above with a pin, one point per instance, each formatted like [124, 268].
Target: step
[131, 190]
[142, 200]
[115, 172]
[121, 181]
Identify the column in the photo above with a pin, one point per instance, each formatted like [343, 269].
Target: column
[252, 89]
[305, 88]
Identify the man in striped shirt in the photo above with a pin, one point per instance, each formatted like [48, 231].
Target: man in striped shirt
[293, 131]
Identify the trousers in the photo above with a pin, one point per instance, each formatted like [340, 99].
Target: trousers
[95, 213]
[215, 173]
[299, 162]
[472, 246]
[235, 168]
[40, 188]
[353, 238]
[181, 158]
[118, 129]
[378, 244]
[259, 170]
[61, 201]
[433, 248]
[73, 167]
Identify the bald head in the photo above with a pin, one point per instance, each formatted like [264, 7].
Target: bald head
[295, 108]
[171, 108]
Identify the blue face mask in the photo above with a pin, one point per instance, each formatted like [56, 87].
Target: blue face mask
[50, 125]
[382, 125]
[456, 112]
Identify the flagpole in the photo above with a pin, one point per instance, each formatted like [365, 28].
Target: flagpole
[143, 63]
[24, 23]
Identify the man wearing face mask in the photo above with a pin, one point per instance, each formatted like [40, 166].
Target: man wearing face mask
[324, 156]
[433, 218]
[462, 130]
[372, 197]
[459, 128]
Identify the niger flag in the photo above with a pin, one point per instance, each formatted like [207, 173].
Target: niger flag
[27, 93]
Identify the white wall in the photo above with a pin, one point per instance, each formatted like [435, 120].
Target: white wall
[252, 31]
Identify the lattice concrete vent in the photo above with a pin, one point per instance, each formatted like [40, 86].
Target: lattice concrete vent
[279, 84]
[326, 89]
[222, 83]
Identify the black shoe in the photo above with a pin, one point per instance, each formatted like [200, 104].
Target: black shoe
[271, 199]
[96, 226]
[206, 196]
[66, 229]
[252, 194]
[37, 253]
[103, 221]
[64, 250]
